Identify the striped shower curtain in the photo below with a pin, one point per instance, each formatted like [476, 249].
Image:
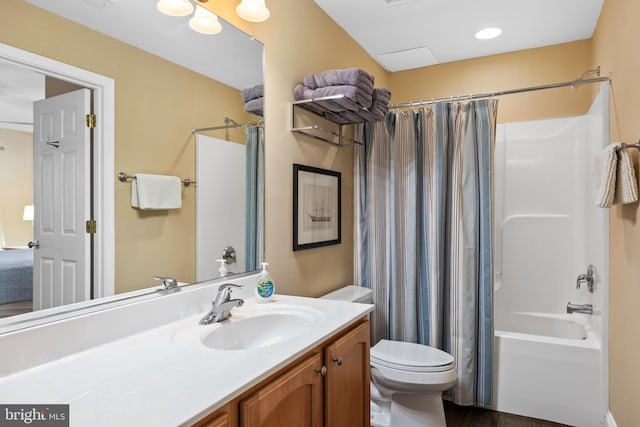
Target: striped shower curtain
[254, 235]
[423, 195]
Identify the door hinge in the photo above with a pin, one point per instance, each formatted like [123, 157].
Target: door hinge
[91, 121]
[91, 226]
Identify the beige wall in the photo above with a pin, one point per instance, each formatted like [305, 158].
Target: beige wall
[615, 48]
[16, 178]
[157, 105]
[299, 38]
[532, 67]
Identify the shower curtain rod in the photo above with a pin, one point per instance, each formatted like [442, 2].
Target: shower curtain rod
[574, 83]
[230, 124]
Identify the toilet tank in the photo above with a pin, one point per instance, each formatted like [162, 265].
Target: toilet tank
[351, 293]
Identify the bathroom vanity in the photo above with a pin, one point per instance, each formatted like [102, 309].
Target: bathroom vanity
[294, 361]
[327, 386]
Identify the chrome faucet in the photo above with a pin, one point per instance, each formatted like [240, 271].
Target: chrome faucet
[167, 282]
[222, 305]
[579, 308]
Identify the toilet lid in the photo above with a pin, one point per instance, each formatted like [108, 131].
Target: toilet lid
[408, 356]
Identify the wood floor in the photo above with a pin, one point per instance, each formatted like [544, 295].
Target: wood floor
[469, 416]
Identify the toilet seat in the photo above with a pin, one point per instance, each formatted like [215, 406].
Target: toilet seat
[410, 357]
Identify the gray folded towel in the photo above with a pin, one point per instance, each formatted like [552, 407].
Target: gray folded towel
[255, 106]
[347, 117]
[379, 108]
[356, 97]
[381, 94]
[250, 93]
[344, 117]
[350, 76]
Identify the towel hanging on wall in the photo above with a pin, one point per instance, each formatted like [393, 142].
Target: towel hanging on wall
[614, 180]
[156, 192]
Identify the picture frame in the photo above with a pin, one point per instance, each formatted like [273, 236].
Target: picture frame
[317, 207]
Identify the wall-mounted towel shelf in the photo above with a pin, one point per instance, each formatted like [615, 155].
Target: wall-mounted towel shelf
[123, 177]
[329, 104]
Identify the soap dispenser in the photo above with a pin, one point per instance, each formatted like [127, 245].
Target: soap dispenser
[223, 268]
[265, 287]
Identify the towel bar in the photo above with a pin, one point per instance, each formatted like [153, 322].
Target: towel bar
[625, 146]
[123, 177]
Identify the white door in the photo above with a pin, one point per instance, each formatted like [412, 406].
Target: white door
[61, 195]
[220, 194]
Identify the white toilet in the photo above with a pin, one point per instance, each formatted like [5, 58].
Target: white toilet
[407, 379]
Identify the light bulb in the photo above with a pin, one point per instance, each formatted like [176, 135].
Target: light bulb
[175, 7]
[205, 22]
[253, 10]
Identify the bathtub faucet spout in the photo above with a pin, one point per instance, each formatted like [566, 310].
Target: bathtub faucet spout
[579, 308]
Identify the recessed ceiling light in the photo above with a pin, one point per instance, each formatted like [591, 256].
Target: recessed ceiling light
[488, 33]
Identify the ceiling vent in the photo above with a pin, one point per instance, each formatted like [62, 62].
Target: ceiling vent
[407, 59]
[391, 3]
[101, 4]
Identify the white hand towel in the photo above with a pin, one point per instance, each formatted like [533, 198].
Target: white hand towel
[604, 176]
[626, 183]
[156, 192]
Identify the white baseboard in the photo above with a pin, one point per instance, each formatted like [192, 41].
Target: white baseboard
[610, 421]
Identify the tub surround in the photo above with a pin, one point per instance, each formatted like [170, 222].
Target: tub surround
[550, 363]
[123, 366]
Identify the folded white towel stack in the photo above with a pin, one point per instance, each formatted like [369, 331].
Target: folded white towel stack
[614, 180]
[156, 192]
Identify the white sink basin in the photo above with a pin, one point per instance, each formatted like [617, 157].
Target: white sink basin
[252, 327]
[256, 331]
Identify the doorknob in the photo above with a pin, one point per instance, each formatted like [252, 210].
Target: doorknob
[52, 143]
[34, 244]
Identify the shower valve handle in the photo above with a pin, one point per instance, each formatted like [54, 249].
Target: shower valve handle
[588, 278]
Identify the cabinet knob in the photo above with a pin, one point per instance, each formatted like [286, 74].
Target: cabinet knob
[338, 360]
[322, 371]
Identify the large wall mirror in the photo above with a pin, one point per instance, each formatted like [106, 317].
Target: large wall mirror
[184, 104]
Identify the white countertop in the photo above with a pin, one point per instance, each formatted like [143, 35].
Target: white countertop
[151, 378]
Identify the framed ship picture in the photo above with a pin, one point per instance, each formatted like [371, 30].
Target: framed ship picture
[316, 207]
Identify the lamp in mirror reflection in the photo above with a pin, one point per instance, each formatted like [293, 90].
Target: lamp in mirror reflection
[204, 22]
[175, 7]
[253, 10]
[27, 214]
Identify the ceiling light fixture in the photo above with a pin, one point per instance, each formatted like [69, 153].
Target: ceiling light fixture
[253, 10]
[488, 33]
[205, 22]
[175, 7]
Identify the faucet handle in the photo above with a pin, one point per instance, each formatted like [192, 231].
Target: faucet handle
[167, 281]
[589, 278]
[224, 292]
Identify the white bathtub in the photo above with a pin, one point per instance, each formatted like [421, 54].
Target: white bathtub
[548, 366]
[565, 326]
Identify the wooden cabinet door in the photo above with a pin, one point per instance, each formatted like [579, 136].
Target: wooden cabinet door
[347, 379]
[226, 416]
[294, 399]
